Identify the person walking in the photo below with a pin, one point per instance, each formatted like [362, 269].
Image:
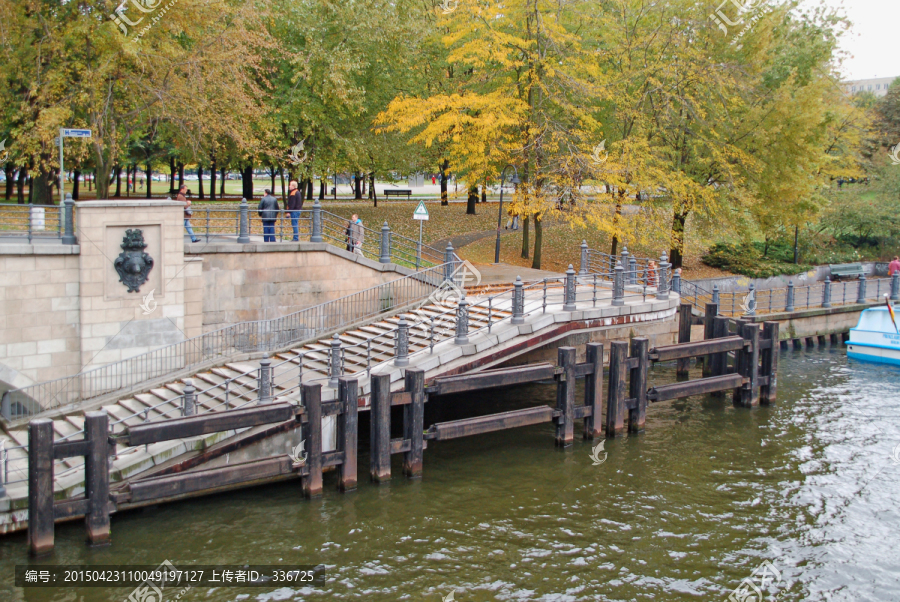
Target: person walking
[188, 212]
[356, 234]
[894, 266]
[294, 206]
[268, 210]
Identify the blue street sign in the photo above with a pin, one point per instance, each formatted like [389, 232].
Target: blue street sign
[67, 133]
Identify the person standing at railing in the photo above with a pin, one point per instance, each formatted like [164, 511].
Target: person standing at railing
[651, 274]
[268, 210]
[355, 235]
[294, 206]
[894, 266]
[188, 212]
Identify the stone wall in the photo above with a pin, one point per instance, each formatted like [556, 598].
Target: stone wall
[263, 281]
[816, 322]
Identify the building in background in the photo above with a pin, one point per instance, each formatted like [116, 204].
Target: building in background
[878, 86]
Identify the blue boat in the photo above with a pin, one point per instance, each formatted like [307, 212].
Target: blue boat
[875, 338]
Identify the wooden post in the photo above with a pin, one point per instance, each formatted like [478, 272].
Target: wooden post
[748, 366]
[380, 434]
[769, 359]
[414, 423]
[822, 341]
[593, 392]
[565, 398]
[638, 383]
[615, 406]
[96, 477]
[797, 344]
[312, 401]
[709, 321]
[685, 315]
[40, 486]
[834, 338]
[348, 426]
[719, 361]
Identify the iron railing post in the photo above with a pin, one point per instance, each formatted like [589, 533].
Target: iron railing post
[826, 293]
[30, 221]
[715, 297]
[6, 407]
[750, 309]
[584, 258]
[462, 321]
[676, 282]
[265, 381]
[789, 306]
[401, 354]
[69, 237]
[244, 235]
[625, 256]
[385, 243]
[316, 232]
[895, 287]
[861, 297]
[518, 316]
[632, 270]
[188, 407]
[334, 362]
[570, 290]
[662, 291]
[619, 286]
[449, 263]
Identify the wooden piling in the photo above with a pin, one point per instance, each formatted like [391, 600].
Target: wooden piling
[769, 359]
[413, 422]
[348, 427]
[685, 319]
[615, 406]
[719, 361]
[565, 398]
[822, 342]
[96, 478]
[834, 338]
[40, 486]
[380, 433]
[637, 417]
[312, 402]
[748, 366]
[783, 345]
[593, 392]
[845, 336]
[797, 344]
[709, 322]
[810, 342]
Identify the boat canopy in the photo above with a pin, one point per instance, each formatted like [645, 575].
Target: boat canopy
[876, 319]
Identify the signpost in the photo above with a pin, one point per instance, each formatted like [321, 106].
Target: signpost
[420, 214]
[67, 133]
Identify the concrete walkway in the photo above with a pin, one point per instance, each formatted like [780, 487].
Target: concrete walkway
[502, 273]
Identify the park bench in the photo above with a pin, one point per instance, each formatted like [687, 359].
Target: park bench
[398, 192]
[847, 270]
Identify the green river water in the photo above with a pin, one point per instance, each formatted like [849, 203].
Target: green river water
[687, 510]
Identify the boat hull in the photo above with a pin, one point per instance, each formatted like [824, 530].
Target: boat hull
[859, 351]
[875, 338]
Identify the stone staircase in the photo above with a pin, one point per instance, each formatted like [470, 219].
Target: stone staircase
[225, 387]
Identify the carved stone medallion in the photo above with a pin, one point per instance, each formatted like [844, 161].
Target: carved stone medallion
[133, 265]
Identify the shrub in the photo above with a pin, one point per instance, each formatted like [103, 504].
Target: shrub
[747, 259]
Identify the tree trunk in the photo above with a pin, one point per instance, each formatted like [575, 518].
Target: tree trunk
[200, 179]
[30, 190]
[247, 182]
[149, 171]
[525, 245]
[283, 189]
[357, 187]
[373, 194]
[309, 189]
[212, 179]
[615, 241]
[484, 193]
[677, 252]
[223, 172]
[172, 172]
[75, 184]
[272, 173]
[538, 239]
[42, 186]
[445, 177]
[20, 186]
[9, 169]
[118, 172]
[322, 189]
[180, 175]
[473, 198]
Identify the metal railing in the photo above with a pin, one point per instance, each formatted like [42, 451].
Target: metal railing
[32, 222]
[216, 346]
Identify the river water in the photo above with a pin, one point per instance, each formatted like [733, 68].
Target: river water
[687, 510]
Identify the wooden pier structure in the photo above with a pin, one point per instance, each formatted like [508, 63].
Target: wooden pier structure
[751, 377]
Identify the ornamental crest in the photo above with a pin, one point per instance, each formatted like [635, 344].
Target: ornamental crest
[133, 265]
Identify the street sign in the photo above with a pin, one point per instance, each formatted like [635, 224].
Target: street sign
[421, 212]
[67, 133]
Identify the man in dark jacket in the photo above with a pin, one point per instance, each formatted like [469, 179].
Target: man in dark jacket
[294, 205]
[268, 211]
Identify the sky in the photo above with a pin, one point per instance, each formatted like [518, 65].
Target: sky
[870, 41]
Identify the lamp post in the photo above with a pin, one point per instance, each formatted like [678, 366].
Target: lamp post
[515, 181]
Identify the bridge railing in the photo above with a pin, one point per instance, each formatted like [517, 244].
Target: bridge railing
[216, 346]
[30, 222]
